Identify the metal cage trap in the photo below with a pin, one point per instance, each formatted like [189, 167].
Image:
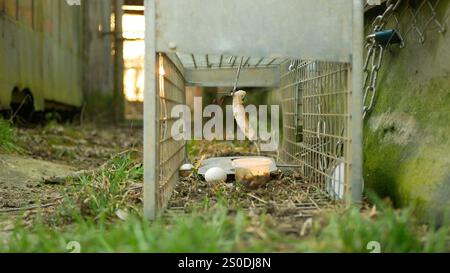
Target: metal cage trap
[304, 49]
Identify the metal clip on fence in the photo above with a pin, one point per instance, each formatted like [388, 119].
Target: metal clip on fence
[387, 37]
[376, 44]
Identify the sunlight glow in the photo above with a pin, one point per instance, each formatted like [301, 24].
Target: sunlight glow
[133, 54]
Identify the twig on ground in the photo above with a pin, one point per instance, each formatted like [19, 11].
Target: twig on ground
[9, 210]
[197, 166]
[307, 225]
[315, 204]
[62, 179]
[257, 198]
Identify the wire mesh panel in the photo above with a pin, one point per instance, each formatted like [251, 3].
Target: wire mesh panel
[317, 132]
[172, 153]
[315, 98]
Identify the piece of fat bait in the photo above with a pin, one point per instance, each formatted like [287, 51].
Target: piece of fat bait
[241, 117]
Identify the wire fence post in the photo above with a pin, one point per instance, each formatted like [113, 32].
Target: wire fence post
[356, 178]
[150, 114]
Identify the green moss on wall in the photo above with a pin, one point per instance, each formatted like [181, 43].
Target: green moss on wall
[407, 137]
[98, 106]
[407, 141]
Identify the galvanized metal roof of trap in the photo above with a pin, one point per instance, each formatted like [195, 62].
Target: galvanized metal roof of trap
[206, 61]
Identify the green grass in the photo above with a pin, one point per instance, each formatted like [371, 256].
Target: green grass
[394, 230]
[115, 186]
[8, 140]
[181, 234]
[88, 216]
[216, 230]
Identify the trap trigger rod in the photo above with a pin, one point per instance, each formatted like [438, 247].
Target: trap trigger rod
[237, 76]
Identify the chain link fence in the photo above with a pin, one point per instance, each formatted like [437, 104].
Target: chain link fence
[399, 22]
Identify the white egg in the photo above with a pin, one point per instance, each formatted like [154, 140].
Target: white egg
[186, 170]
[215, 175]
[187, 167]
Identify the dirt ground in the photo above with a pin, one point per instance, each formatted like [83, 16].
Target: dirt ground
[55, 150]
[83, 147]
[287, 199]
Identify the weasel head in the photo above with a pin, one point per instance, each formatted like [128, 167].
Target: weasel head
[239, 96]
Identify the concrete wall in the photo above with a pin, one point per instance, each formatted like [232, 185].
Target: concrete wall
[407, 137]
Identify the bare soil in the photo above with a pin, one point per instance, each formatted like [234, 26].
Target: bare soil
[287, 201]
[55, 150]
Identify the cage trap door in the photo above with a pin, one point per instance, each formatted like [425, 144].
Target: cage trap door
[306, 29]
